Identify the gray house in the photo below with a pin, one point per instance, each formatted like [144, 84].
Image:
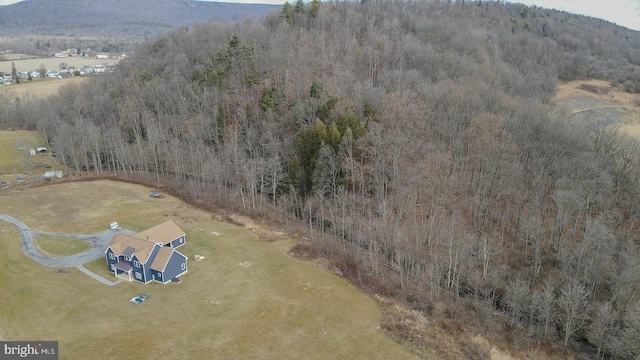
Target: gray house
[148, 255]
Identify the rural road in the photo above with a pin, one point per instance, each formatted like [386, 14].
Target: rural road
[98, 243]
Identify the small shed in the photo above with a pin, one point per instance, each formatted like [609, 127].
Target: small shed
[32, 151]
[113, 225]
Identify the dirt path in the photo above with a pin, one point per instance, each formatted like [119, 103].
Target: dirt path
[575, 111]
[99, 243]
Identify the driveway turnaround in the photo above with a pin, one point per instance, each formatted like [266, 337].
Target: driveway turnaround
[99, 243]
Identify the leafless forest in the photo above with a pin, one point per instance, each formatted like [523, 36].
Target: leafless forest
[416, 141]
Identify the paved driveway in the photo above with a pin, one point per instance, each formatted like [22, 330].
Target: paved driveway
[98, 243]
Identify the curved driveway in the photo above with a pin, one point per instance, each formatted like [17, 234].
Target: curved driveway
[99, 243]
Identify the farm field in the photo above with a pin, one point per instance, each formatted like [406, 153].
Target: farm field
[39, 88]
[51, 63]
[247, 298]
[49, 86]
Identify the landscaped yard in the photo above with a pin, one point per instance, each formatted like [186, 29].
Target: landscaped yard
[246, 299]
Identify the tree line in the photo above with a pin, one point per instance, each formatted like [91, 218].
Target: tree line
[416, 139]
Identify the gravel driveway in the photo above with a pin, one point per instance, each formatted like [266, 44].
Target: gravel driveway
[98, 243]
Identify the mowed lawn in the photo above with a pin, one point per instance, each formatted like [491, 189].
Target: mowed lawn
[58, 246]
[246, 300]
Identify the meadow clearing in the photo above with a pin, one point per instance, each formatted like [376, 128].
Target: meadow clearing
[247, 298]
[596, 101]
[40, 88]
[16, 160]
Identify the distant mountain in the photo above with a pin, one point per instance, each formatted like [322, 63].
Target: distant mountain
[130, 18]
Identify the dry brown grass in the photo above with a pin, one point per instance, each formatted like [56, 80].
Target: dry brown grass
[631, 130]
[597, 89]
[57, 246]
[279, 307]
[51, 63]
[14, 154]
[625, 106]
[39, 87]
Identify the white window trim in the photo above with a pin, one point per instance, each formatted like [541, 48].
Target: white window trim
[112, 256]
[136, 263]
[183, 266]
[138, 276]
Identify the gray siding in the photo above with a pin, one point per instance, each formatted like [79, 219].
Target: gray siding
[138, 270]
[110, 261]
[177, 242]
[157, 276]
[174, 266]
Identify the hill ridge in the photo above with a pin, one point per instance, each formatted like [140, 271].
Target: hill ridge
[130, 18]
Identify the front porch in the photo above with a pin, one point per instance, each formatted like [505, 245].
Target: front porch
[123, 270]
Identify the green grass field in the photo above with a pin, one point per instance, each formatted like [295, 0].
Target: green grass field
[246, 300]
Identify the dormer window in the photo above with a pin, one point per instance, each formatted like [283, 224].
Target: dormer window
[125, 257]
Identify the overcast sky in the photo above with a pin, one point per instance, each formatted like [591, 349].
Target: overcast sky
[621, 12]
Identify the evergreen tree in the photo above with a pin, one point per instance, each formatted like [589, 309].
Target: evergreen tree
[14, 73]
[287, 12]
[316, 89]
[315, 7]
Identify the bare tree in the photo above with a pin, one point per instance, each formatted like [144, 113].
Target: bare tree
[602, 329]
[545, 304]
[42, 72]
[572, 303]
[517, 298]
[631, 332]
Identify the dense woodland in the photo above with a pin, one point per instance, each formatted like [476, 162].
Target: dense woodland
[415, 139]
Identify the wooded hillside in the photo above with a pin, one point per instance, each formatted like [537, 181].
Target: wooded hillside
[415, 139]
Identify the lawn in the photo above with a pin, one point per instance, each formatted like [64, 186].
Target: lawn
[59, 246]
[246, 300]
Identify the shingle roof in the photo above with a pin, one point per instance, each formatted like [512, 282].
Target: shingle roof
[124, 266]
[162, 258]
[162, 233]
[143, 248]
[128, 251]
